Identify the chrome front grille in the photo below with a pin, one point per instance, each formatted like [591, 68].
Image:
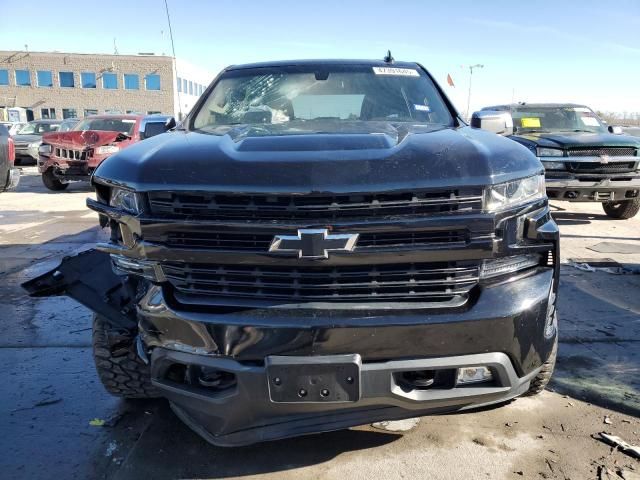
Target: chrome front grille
[601, 151]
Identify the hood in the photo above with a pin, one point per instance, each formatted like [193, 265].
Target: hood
[26, 138]
[361, 158]
[82, 138]
[580, 139]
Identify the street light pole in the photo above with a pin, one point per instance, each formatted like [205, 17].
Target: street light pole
[471, 67]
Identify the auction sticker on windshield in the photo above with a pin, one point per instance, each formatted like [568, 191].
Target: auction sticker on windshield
[403, 72]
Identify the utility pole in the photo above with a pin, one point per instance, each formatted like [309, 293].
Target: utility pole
[471, 67]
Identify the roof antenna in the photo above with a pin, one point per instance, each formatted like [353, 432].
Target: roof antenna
[388, 58]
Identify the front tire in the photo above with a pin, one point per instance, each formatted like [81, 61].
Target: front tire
[540, 382]
[51, 182]
[622, 210]
[119, 367]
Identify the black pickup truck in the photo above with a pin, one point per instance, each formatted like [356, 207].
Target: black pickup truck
[584, 160]
[321, 244]
[9, 175]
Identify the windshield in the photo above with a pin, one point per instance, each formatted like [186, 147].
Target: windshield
[555, 119]
[38, 128]
[122, 125]
[291, 96]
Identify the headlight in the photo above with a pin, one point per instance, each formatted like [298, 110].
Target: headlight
[125, 200]
[509, 194]
[553, 165]
[34, 145]
[550, 152]
[44, 150]
[501, 266]
[106, 149]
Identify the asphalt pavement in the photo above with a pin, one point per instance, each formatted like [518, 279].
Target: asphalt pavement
[58, 422]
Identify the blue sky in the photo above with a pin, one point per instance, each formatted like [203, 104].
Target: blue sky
[579, 51]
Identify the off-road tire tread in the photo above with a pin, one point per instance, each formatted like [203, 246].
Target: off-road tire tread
[539, 383]
[53, 183]
[622, 210]
[124, 375]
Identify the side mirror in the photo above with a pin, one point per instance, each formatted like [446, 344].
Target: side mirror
[615, 129]
[493, 121]
[171, 123]
[151, 127]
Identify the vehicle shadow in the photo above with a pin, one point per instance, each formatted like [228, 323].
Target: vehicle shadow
[198, 459]
[599, 354]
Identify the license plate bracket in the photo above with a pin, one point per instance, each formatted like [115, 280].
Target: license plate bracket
[319, 379]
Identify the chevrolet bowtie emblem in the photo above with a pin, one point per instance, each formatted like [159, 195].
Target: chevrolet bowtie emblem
[604, 158]
[313, 243]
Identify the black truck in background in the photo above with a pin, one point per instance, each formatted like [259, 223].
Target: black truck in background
[322, 244]
[9, 174]
[584, 160]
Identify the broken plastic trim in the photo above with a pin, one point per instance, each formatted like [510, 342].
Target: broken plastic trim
[89, 279]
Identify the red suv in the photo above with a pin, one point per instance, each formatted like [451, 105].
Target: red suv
[73, 155]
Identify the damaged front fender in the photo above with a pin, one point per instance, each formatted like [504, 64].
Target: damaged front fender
[89, 279]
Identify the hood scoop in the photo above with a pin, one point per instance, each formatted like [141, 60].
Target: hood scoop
[317, 142]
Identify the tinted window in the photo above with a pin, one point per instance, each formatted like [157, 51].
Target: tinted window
[45, 78]
[152, 81]
[131, 81]
[66, 79]
[109, 81]
[88, 79]
[4, 77]
[23, 78]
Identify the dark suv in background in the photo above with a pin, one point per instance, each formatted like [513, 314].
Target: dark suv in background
[322, 244]
[584, 160]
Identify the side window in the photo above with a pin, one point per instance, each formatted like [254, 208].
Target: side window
[152, 81]
[45, 78]
[88, 79]
[131, 81]
[109, 81]
[66, 79]
[23, 78]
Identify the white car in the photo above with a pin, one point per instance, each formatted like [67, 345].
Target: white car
[13, 127]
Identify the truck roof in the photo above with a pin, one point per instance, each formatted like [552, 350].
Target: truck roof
[327, 62]
[534, 105]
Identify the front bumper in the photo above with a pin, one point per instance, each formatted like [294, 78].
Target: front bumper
[587, 188]
[504, 330]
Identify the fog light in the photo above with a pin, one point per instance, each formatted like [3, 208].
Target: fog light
[473, 375]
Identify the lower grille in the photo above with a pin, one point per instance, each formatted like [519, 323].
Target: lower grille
[260, 242]
[597, 167]
[438, 282]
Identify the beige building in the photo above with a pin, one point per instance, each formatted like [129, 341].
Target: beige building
[67, 85]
